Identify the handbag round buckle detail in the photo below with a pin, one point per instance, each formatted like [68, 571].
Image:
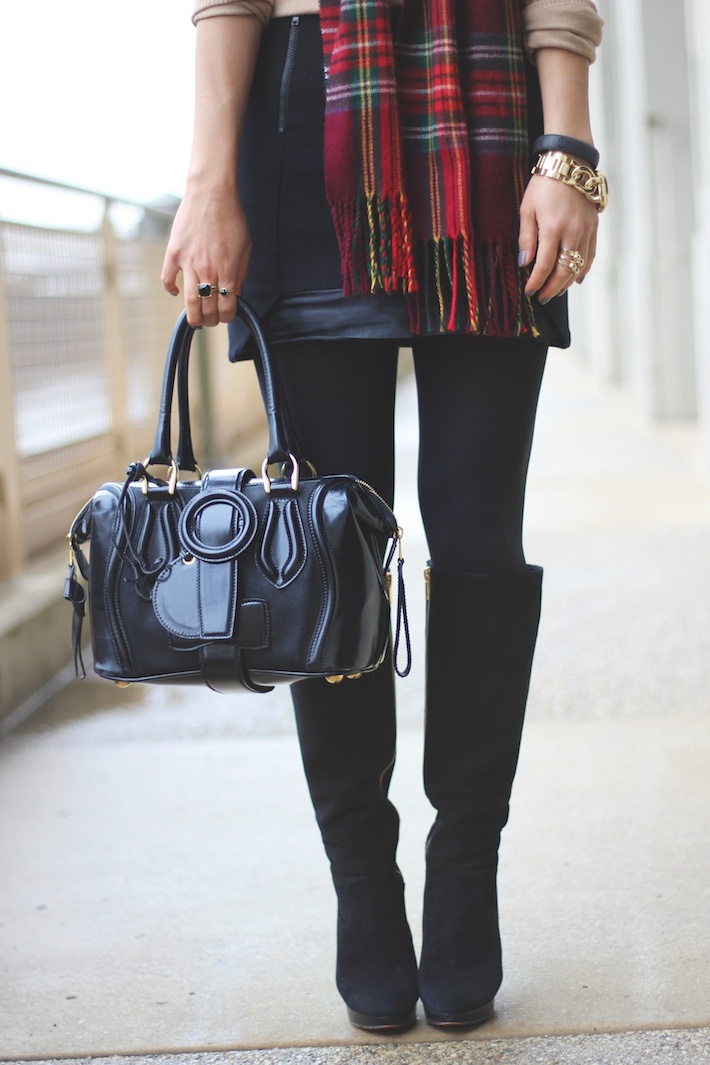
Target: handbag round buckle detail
[216, 526]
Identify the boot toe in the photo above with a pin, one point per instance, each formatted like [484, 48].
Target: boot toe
[393, 1022]
[466, 1018]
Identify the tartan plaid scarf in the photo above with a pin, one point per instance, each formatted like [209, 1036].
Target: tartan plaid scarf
[425, 157]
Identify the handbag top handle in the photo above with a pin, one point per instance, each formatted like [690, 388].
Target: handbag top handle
[177, 363]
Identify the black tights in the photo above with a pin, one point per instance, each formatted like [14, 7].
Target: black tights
[477, 404]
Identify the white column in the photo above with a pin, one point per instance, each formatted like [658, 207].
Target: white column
[654, 187]
[698, 40]
[594, 308]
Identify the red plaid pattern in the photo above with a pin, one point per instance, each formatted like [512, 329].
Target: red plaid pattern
[425, 152]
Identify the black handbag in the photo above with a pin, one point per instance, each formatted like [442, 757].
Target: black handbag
[235, 580]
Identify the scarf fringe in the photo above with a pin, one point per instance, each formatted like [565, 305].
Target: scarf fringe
[468, 287]
[375, 241]
[471, 288]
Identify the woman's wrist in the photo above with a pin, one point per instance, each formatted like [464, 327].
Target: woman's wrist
[554, 142]
[208, 179]
[564, 84]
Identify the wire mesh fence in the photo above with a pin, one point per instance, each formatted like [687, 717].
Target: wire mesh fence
[84, 325]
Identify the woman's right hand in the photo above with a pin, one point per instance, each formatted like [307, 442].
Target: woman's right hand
[209, 243]
[210, 240]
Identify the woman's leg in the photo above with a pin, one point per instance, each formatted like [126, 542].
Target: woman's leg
[477, 402]
[340, 398]
[477, 406]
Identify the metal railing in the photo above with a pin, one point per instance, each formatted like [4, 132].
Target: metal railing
[84, 325]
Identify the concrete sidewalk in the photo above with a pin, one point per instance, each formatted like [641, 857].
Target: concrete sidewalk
[163, 885]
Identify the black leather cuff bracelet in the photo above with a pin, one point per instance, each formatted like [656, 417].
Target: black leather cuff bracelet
[553, 142]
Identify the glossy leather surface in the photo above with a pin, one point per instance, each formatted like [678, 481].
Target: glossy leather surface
[223, 580]
[314, 604]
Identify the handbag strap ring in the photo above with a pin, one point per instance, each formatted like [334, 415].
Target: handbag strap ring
[295, 473]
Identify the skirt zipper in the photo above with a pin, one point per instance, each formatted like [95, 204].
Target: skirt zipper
[286, 73]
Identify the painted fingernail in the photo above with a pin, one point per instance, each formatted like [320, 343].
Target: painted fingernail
[544, 300]
[522, 257]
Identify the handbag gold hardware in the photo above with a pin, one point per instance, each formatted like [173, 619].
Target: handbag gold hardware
[295, 473]
[336, 678]
[173, 474]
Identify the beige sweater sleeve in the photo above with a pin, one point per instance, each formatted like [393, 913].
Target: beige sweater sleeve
[574, 25]
[571, 24]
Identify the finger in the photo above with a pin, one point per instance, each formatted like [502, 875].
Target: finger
[169, 274]
[567, 271]
[527, 239]
[563, 272]
[226, 302]
[545, 265]
[193, 300]
[210, 305]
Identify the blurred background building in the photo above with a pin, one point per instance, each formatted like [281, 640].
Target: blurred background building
[641, 320]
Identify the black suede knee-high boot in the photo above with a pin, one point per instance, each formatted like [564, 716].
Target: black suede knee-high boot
[347, 734]
[480, 641]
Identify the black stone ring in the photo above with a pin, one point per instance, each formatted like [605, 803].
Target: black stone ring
[205, 290]
[225, 292]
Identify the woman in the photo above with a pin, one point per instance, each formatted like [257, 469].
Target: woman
[407, 215]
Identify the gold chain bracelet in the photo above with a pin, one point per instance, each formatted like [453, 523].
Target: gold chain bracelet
[574, 172]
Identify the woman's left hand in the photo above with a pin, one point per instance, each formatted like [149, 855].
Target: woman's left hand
[554, 217]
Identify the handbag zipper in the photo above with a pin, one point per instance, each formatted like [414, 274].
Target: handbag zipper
[386, 505]
[286, 73]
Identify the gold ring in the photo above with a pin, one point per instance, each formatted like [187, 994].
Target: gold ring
[205, 290]
[571, 260]
[226, 292]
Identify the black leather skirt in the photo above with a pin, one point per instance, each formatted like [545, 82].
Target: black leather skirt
[294, 281]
